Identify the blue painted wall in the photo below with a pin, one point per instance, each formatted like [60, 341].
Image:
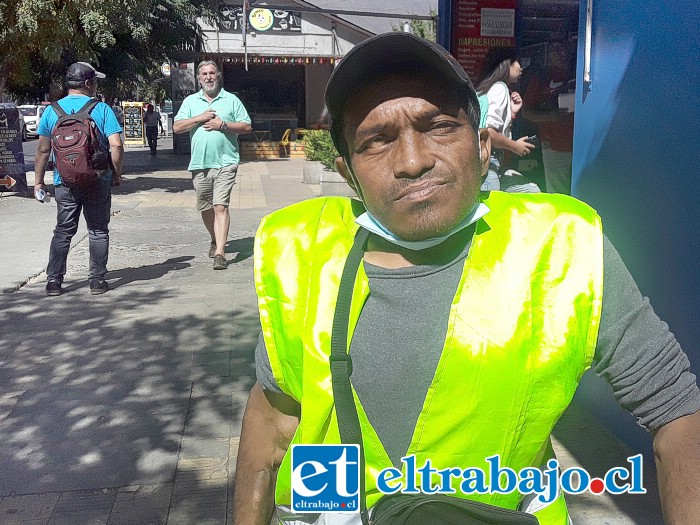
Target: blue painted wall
[637, 161]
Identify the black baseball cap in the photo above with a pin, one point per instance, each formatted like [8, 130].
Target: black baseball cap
[389, 53]
[82, 71]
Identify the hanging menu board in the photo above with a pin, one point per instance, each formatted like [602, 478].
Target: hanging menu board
[133, 123]
[479, 26]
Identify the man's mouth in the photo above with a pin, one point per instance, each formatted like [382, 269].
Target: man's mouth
[420, 191]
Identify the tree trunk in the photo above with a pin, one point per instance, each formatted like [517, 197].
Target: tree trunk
[3, 78]
[5, 68]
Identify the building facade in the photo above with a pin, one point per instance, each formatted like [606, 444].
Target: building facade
[280, 65]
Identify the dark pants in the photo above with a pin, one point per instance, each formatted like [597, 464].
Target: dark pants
[95, 203]
[152, 137]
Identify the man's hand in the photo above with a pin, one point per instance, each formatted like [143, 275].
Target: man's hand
[190, 123]
[39, 186]
[206, 116]
[213, 124]
[116, 180]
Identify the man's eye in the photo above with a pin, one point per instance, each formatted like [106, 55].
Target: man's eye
[379, 139]
[374, 142]
[444, 125]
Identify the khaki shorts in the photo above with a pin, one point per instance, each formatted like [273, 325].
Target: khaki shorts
[213, 186]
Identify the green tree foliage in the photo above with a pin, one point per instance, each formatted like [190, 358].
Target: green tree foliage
[422, 28]
[318, 145]
[126, 39]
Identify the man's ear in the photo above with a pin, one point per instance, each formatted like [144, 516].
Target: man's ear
[346, 173]
[485, 149]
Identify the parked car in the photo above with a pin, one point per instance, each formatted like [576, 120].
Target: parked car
[31, 114]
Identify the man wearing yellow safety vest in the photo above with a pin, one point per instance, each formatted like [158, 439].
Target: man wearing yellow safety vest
[473, 315]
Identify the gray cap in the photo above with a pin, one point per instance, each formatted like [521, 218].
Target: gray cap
[389, 53]
[82, 71]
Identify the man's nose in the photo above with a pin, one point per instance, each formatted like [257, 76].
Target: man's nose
[412, 157]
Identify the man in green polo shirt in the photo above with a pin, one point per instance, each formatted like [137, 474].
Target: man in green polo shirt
[214, 118]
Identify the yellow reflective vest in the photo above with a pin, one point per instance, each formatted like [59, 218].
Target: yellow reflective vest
[522, 330]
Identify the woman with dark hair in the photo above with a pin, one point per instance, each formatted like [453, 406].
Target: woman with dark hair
[548, 86]
[151, 119]
[503, 68]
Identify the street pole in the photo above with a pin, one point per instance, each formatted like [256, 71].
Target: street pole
[444, 25]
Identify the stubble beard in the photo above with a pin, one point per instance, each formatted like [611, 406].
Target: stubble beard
[427, 218]
[423, 219]
[211, 91]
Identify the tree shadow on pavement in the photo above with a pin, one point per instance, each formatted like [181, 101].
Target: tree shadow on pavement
[125, 389]
[141, 161]
[138, 183]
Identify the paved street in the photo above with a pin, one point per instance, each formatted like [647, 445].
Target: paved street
[125, 408]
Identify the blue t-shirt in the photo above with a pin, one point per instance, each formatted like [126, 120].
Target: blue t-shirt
[102, 114]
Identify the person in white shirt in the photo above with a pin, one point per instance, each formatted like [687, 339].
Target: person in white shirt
[503, 68]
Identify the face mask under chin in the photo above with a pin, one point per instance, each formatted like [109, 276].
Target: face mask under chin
[371, 224]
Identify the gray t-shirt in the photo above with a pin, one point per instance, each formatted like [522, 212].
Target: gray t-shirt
[407, 314]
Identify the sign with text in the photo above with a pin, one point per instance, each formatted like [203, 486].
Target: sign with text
[479, 26]
[133, 123]
[259, 20]
[13, 176]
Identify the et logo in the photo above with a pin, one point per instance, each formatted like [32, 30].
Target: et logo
[325, 478]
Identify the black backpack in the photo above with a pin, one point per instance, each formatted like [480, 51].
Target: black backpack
[79, 154]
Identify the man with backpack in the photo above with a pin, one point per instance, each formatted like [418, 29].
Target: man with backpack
[85, 137]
